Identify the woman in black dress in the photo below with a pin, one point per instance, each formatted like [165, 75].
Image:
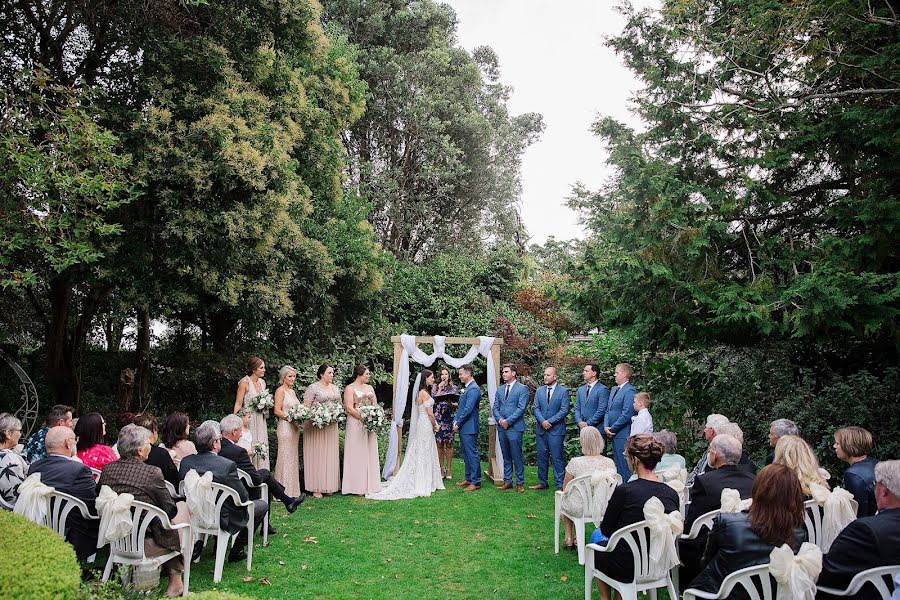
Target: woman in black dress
[626, 507]
[443, 414]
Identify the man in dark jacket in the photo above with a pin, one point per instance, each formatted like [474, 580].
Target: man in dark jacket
[706, 494]
[233, 518]
[868, 542]
[72, 477]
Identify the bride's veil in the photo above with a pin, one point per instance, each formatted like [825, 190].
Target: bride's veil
[413, 417]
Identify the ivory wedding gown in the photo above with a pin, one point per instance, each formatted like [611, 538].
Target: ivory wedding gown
[420, 473]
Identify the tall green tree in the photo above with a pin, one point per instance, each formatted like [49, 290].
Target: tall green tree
[437, 152]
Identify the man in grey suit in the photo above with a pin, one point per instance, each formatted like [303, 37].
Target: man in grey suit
[233, 519]
[591, 398]
[509, 412]
[617, 423]
[72, 477]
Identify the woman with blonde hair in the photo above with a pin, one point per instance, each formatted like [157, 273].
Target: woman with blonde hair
[794, 453]
[854, 446]
[287, 467]
[592, 459]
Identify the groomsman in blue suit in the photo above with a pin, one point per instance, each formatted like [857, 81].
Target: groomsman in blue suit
[551, 406]
[617, 423]
[466, 423]
[591, 399]
[509, 412]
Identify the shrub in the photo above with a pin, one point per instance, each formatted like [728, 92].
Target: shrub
[35, 562]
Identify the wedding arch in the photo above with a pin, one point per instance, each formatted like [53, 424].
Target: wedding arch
[406, 349]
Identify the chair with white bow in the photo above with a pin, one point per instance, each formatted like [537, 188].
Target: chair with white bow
[827, 514]
[584, 499]
[205, 499]
[654, 556]
[785, 577]
[875, 577]
[264, 494]
[123, 525]
[46, 506]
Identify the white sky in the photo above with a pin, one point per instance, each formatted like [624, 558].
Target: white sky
[552, 53]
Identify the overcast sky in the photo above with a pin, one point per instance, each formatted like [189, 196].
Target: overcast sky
[552, 53]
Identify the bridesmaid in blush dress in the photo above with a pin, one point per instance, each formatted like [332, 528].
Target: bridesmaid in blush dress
[321, 448]
[248, 388]
[287, 467]
[361, 469]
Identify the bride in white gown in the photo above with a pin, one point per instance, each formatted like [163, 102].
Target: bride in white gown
[420, 473]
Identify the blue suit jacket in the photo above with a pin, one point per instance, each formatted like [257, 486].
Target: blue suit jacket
[554, 411]
[511, 408]
[591, 409]
[621, 409]
[467, 414]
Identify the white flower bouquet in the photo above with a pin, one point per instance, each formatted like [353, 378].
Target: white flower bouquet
[336, 409]
[262, 402]
[298, 413]
[261, 450]
[374, 418]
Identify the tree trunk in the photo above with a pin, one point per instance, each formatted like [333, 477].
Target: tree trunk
[142, 355]
[114, 330]
[221, 325]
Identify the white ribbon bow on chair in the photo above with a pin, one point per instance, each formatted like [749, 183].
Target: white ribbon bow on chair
[837, 512]
[115, 515]
[600, 492]
[663, 529]
[33, 502]
[796, 575]
[732, 503]
[200, 499]
[673, 474]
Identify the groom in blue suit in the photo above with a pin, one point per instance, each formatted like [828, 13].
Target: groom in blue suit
[591, 399]
[509, 412]
[617, 424]
[551, 406]
[466, 423]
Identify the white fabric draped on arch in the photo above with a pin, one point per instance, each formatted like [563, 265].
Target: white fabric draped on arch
[412, 352]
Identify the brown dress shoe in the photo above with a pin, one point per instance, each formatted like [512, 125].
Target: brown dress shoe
[472, 488]
[537, 487]
[520, 489]
[463, 483]
[505, 486]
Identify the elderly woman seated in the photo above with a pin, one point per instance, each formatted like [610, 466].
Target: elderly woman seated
[131, 475]
[12, 466]
[592, 460]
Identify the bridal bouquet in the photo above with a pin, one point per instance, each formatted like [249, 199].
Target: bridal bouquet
[336, 409]
[298, 413]
[263, 402]
[374, 418]
[261, 451]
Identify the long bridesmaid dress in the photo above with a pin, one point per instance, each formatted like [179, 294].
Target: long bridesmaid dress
[361, 468]
[287, 467]
[321, 447]
[258, 428]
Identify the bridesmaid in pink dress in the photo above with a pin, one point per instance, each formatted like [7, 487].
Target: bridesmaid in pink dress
[321, 448]
[287, 467]
[361, 468]
[248, 388]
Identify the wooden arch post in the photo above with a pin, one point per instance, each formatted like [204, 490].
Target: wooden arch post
[493, 471]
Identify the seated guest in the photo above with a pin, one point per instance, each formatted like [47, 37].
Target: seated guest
[642, 421]
[706, 495]
[734, 430]
[175, 433]
[626, 507]
[224, 471]
[59, 471]
[867, 542]
[131, 475]
[125, 418]
[90, 431]
[709, 433]
[35, 449]
[158, 457]
[231, 427]
[12, 466]
[794, 453]
[592, 460]
[853, 445]
[671, 459]
[777, 429]
[745, 539]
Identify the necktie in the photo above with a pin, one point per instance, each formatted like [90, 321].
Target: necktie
[508, 385]
[549, 393]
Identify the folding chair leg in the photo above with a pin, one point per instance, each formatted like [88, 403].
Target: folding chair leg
[556, 530]
[588, 573]
[672, 587]
[250, 528]
[186, 576]
[108, 570]
[221, 548]
[579, 534]
[266, 528]
[653, 595]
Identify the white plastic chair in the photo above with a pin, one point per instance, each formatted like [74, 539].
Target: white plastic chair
[874, 576]
[95, 473]
[757, 582]
[221, 493]
[5, 505]
[264, 494]
[129, 549]
[813, 515]
[580, 489]
[637, 536]
[171, 489]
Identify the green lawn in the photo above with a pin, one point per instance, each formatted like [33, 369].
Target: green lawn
[451, 545]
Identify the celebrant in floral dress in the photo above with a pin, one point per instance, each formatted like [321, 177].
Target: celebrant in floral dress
[321, 448]
[249, 388]
[361, 469]
[443, 413]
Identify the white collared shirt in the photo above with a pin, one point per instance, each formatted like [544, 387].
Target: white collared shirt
[642, 422]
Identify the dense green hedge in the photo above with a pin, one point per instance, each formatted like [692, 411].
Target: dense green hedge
[35, 563]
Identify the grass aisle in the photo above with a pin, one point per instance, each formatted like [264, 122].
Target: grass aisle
[451, 545]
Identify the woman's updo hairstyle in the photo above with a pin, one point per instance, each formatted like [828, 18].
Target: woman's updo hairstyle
[253, 363]
[322, 369]
[359, 371]
[645, 449]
